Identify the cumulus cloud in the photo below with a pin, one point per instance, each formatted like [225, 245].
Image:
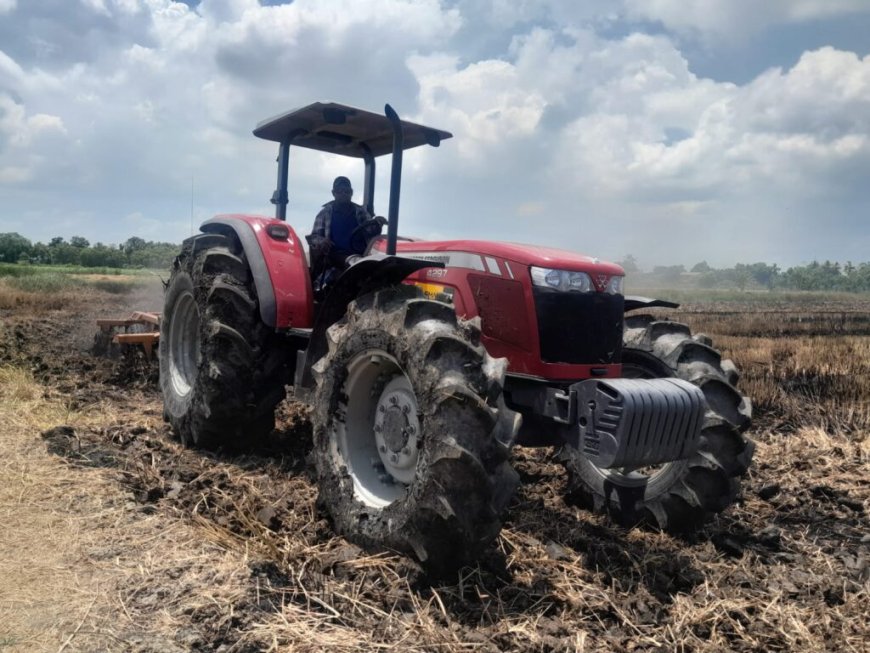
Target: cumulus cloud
[637, 131]
[737, 18]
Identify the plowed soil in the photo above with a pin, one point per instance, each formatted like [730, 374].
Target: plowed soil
[116, 538]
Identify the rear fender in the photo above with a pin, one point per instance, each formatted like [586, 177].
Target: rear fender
[278, 267]
[366, 276]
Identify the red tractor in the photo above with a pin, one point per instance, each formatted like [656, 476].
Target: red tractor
[427, 361]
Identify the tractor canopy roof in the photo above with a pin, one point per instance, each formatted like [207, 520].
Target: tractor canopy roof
[340, 129]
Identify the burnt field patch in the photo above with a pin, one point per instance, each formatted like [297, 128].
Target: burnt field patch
[788, 568]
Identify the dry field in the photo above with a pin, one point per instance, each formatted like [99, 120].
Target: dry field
[114, 538]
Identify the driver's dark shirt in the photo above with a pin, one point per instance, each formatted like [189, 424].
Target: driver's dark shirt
[344, 222]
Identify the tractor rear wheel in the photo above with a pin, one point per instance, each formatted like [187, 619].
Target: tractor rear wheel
[679, 495]
[222, 372]
[411, 435]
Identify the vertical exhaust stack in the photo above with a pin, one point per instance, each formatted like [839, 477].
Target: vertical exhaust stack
[395, 179]
[280, 197]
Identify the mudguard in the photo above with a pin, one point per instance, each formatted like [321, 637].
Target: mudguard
[365, 276]
[277, 265]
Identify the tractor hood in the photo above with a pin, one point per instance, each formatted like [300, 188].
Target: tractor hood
[545, 257]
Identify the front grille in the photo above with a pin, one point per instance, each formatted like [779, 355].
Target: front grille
[579, 328]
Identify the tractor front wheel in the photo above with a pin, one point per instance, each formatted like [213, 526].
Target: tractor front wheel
[221, 370]
[411, 436]
[679, 495]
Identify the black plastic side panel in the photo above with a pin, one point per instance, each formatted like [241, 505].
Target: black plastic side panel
[259, 270]
[366, 276]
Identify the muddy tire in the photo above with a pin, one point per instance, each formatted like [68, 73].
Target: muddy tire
[222, 372]
[411, 435]
[681, 495]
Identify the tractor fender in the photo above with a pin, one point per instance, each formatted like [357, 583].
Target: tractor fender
[278, 267]
[367, 275]
[632, 303]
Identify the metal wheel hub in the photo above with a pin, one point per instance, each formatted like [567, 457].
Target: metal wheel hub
[396, 429]
[378, 431]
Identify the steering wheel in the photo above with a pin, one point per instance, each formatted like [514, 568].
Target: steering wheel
[360, 232]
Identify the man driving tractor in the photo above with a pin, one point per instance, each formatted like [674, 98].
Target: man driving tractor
[341, 233]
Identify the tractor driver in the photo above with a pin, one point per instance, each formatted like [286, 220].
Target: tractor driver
[341, 233]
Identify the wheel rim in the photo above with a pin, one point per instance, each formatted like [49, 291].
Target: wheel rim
[378, 436]
[184, 351]
[644, 476]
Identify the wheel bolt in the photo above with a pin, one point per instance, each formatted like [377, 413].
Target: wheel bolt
[378, 428]
[406, 451]
[382, 449]
[381, 409]
[406, 409]
[394, 400]
[393, 458]
[411, 429]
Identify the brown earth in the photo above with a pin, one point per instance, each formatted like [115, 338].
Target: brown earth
[115, 538]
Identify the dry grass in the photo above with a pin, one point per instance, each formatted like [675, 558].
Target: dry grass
[16, 299]
[801, 368]
[84, 567]
[52, 291]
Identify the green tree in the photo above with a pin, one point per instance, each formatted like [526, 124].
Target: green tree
[629, 264]
[741, 276]
[154, 255]
[65, 254]
[703, 266]
[13, 246]
[78, 241]
[764, 274]
[40, 253]
[668, 272]
[101, 256]
[134, 244]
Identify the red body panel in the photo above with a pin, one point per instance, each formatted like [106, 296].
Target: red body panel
[288, 269]
[496, 276]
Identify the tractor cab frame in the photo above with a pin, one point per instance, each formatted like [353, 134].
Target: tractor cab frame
[347, 131]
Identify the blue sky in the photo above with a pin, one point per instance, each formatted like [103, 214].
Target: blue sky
[672, 130]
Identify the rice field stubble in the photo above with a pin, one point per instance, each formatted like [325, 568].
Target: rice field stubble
[196, 551]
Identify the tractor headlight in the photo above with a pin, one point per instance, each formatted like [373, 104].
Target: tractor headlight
[614, 286]
[564, 280]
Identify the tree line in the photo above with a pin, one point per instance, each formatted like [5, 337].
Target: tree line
[137, 252]
[827, 276]
[134, 252]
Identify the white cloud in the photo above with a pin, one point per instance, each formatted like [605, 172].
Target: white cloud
[12, 175]
[7, 6]
[484, 103]
[98, 6]
[738, 18]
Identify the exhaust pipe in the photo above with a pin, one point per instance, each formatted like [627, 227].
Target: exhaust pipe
[395, 179]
